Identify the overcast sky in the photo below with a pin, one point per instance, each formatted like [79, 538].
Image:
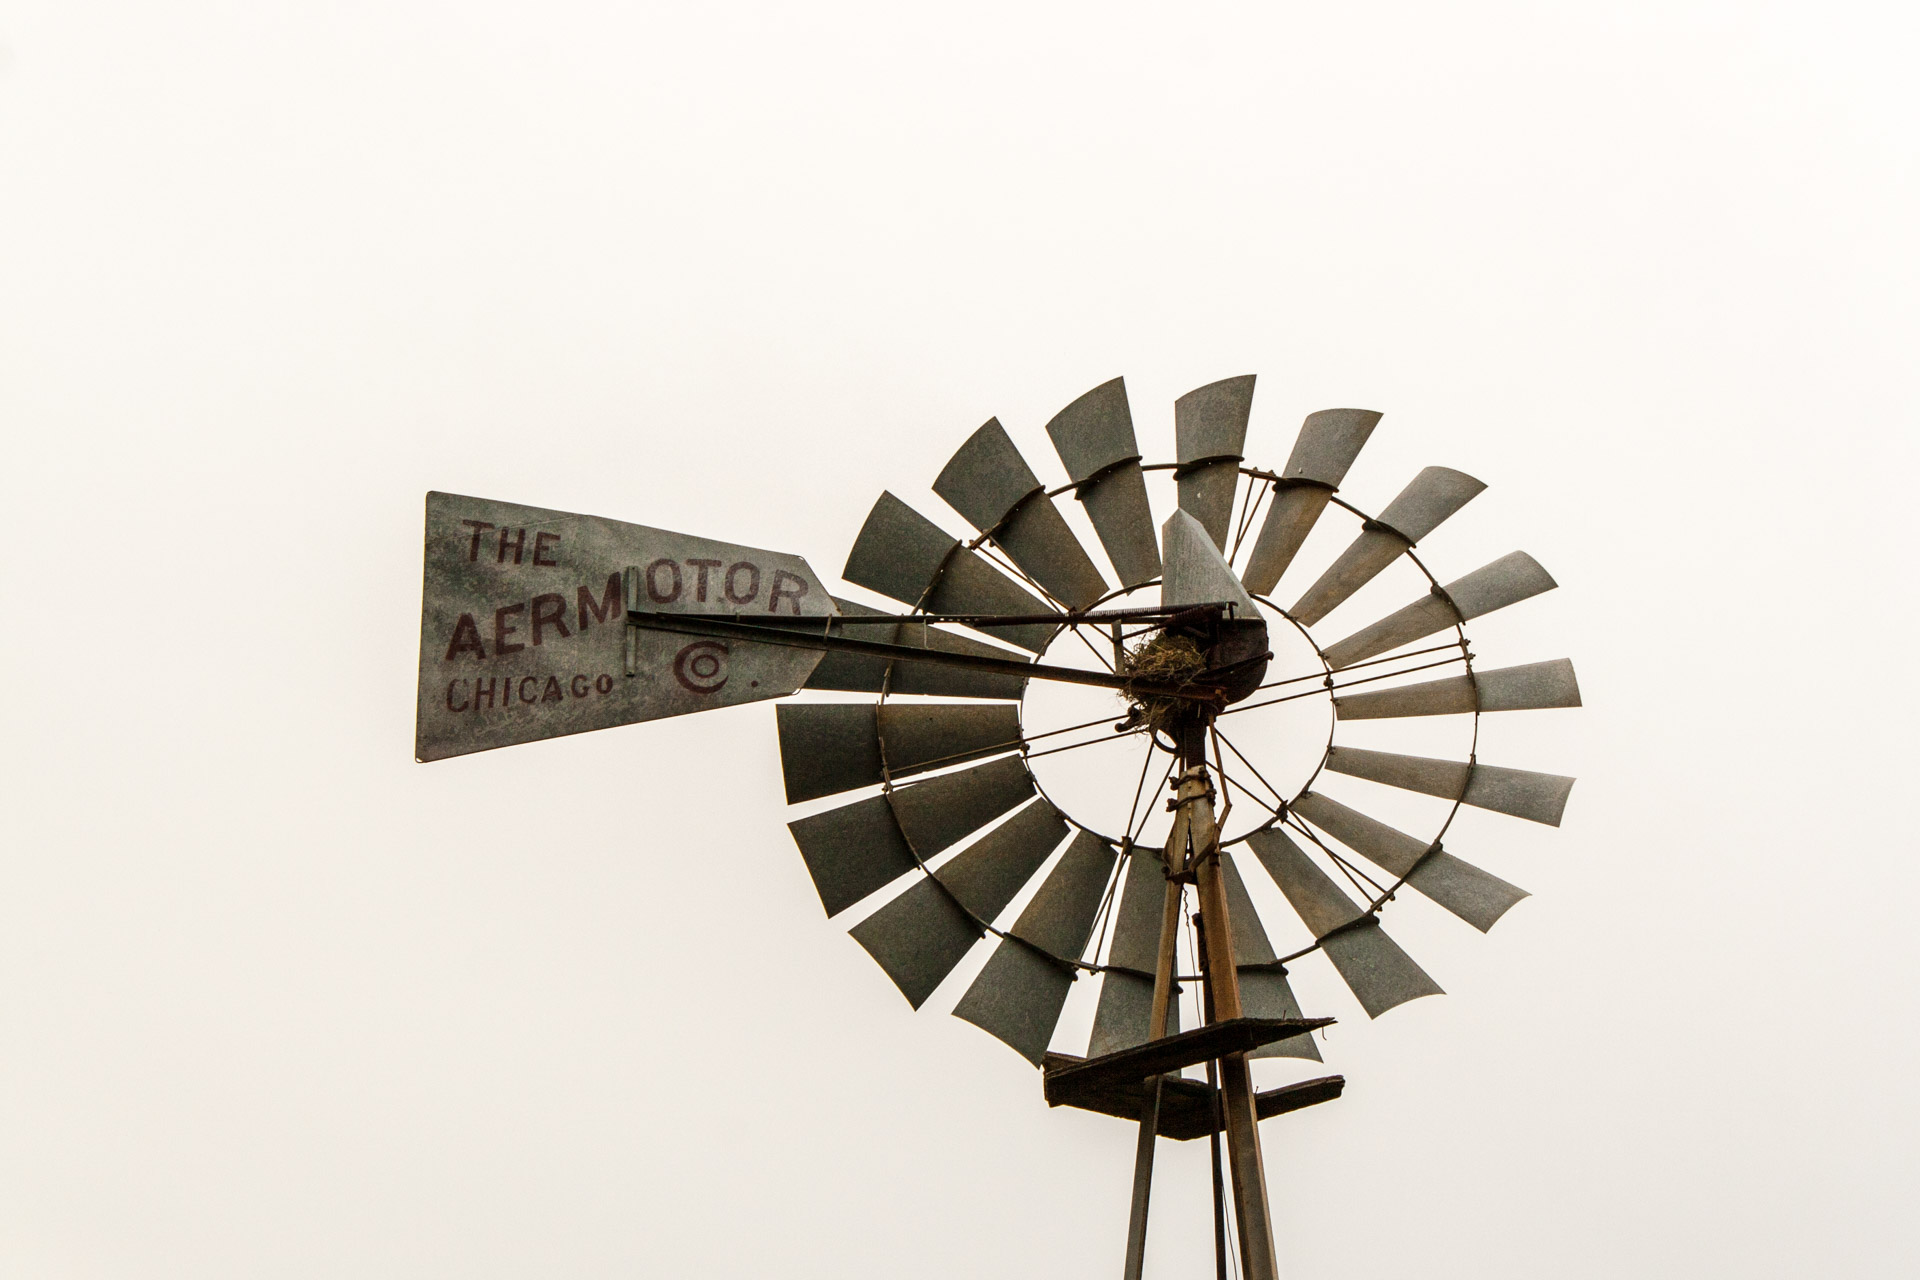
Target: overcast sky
[277, 1001]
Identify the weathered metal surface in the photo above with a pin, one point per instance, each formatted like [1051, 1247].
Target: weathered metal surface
[1537, 797]
[826, 748]
[942, 811]
[1188, 1107]
[1126, 999]
[1095, 441]
[1535, 686]
[1428, 500]
[1210, 433]
[1373, 966]
[855, 849]
[1196, 572]
[1264, 992]
[522, 625]
[903, 555]
[920, 936]
[1328, 443]
[852, 851]
[859, 673]
[990, 484]
[1478, 897]
[1018, 996]
[1508, 580]
[1363, 560]
[1173, 1053]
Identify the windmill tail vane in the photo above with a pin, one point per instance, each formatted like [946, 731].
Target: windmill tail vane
[940, 808]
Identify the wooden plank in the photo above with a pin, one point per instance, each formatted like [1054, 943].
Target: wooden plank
[1187, 1106]
[1132, 1066]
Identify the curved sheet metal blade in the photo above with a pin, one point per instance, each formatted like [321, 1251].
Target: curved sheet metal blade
[902, 554]
[990, 484]
[1434, 494]
[1328, 443]
[1537, 797]
[1478, 897]
[1210, 436]
[944, 810]
[1508, 580]
[1532, 687]
[858, 673]
[855, 849]
[1121, 1019]
[1373, 966]
[1264, 992]
[1018, 996]
[826, 748]
[920, 936]
[1094, 438]
[1196, 572]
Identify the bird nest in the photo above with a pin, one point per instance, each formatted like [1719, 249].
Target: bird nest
[1165, 659]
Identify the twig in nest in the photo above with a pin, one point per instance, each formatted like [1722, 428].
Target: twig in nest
[1167, 659]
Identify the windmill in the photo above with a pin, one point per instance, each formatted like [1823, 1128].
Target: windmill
[942, 828]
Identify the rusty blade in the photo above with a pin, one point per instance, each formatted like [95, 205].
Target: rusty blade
[522, 625]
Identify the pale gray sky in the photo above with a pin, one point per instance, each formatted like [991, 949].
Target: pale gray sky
[277, 1001]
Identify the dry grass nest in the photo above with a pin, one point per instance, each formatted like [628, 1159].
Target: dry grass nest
[1168, 659]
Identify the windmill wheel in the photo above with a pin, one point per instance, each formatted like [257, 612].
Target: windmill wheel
[994, 776]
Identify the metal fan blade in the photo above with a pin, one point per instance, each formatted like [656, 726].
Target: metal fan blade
[1508, 580]
[826, 748]
[1094, 438]
[1126, 992]
[990, 484]
[858, 673]
[920, 936]
[1328, 443]
[1478, 897]
[1435, 494]
[1264, 992]
[1373, 966]
[1537, 797]
[1210, 435]
[855, 849]
[1196, 572]
[1531, 687]
[902, 554]
[1018, 996]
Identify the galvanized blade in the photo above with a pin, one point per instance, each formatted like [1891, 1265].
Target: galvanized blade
[1476, 896]
[1531, 687]
[1508, 580]
[1126, 998]
[1264, 992]
[1018, 996]
[1094, 438]
[855, 849]
[1210, 434]
[943, 811]
[1373, 966]
[1328, 443]
[1434, 494]
[902, 554]
[523, 625]
[1358, 565]
[826, 748]
[990, 484]
[858, 673]
[920, 936]
[1196, 572]
[1537, 797]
